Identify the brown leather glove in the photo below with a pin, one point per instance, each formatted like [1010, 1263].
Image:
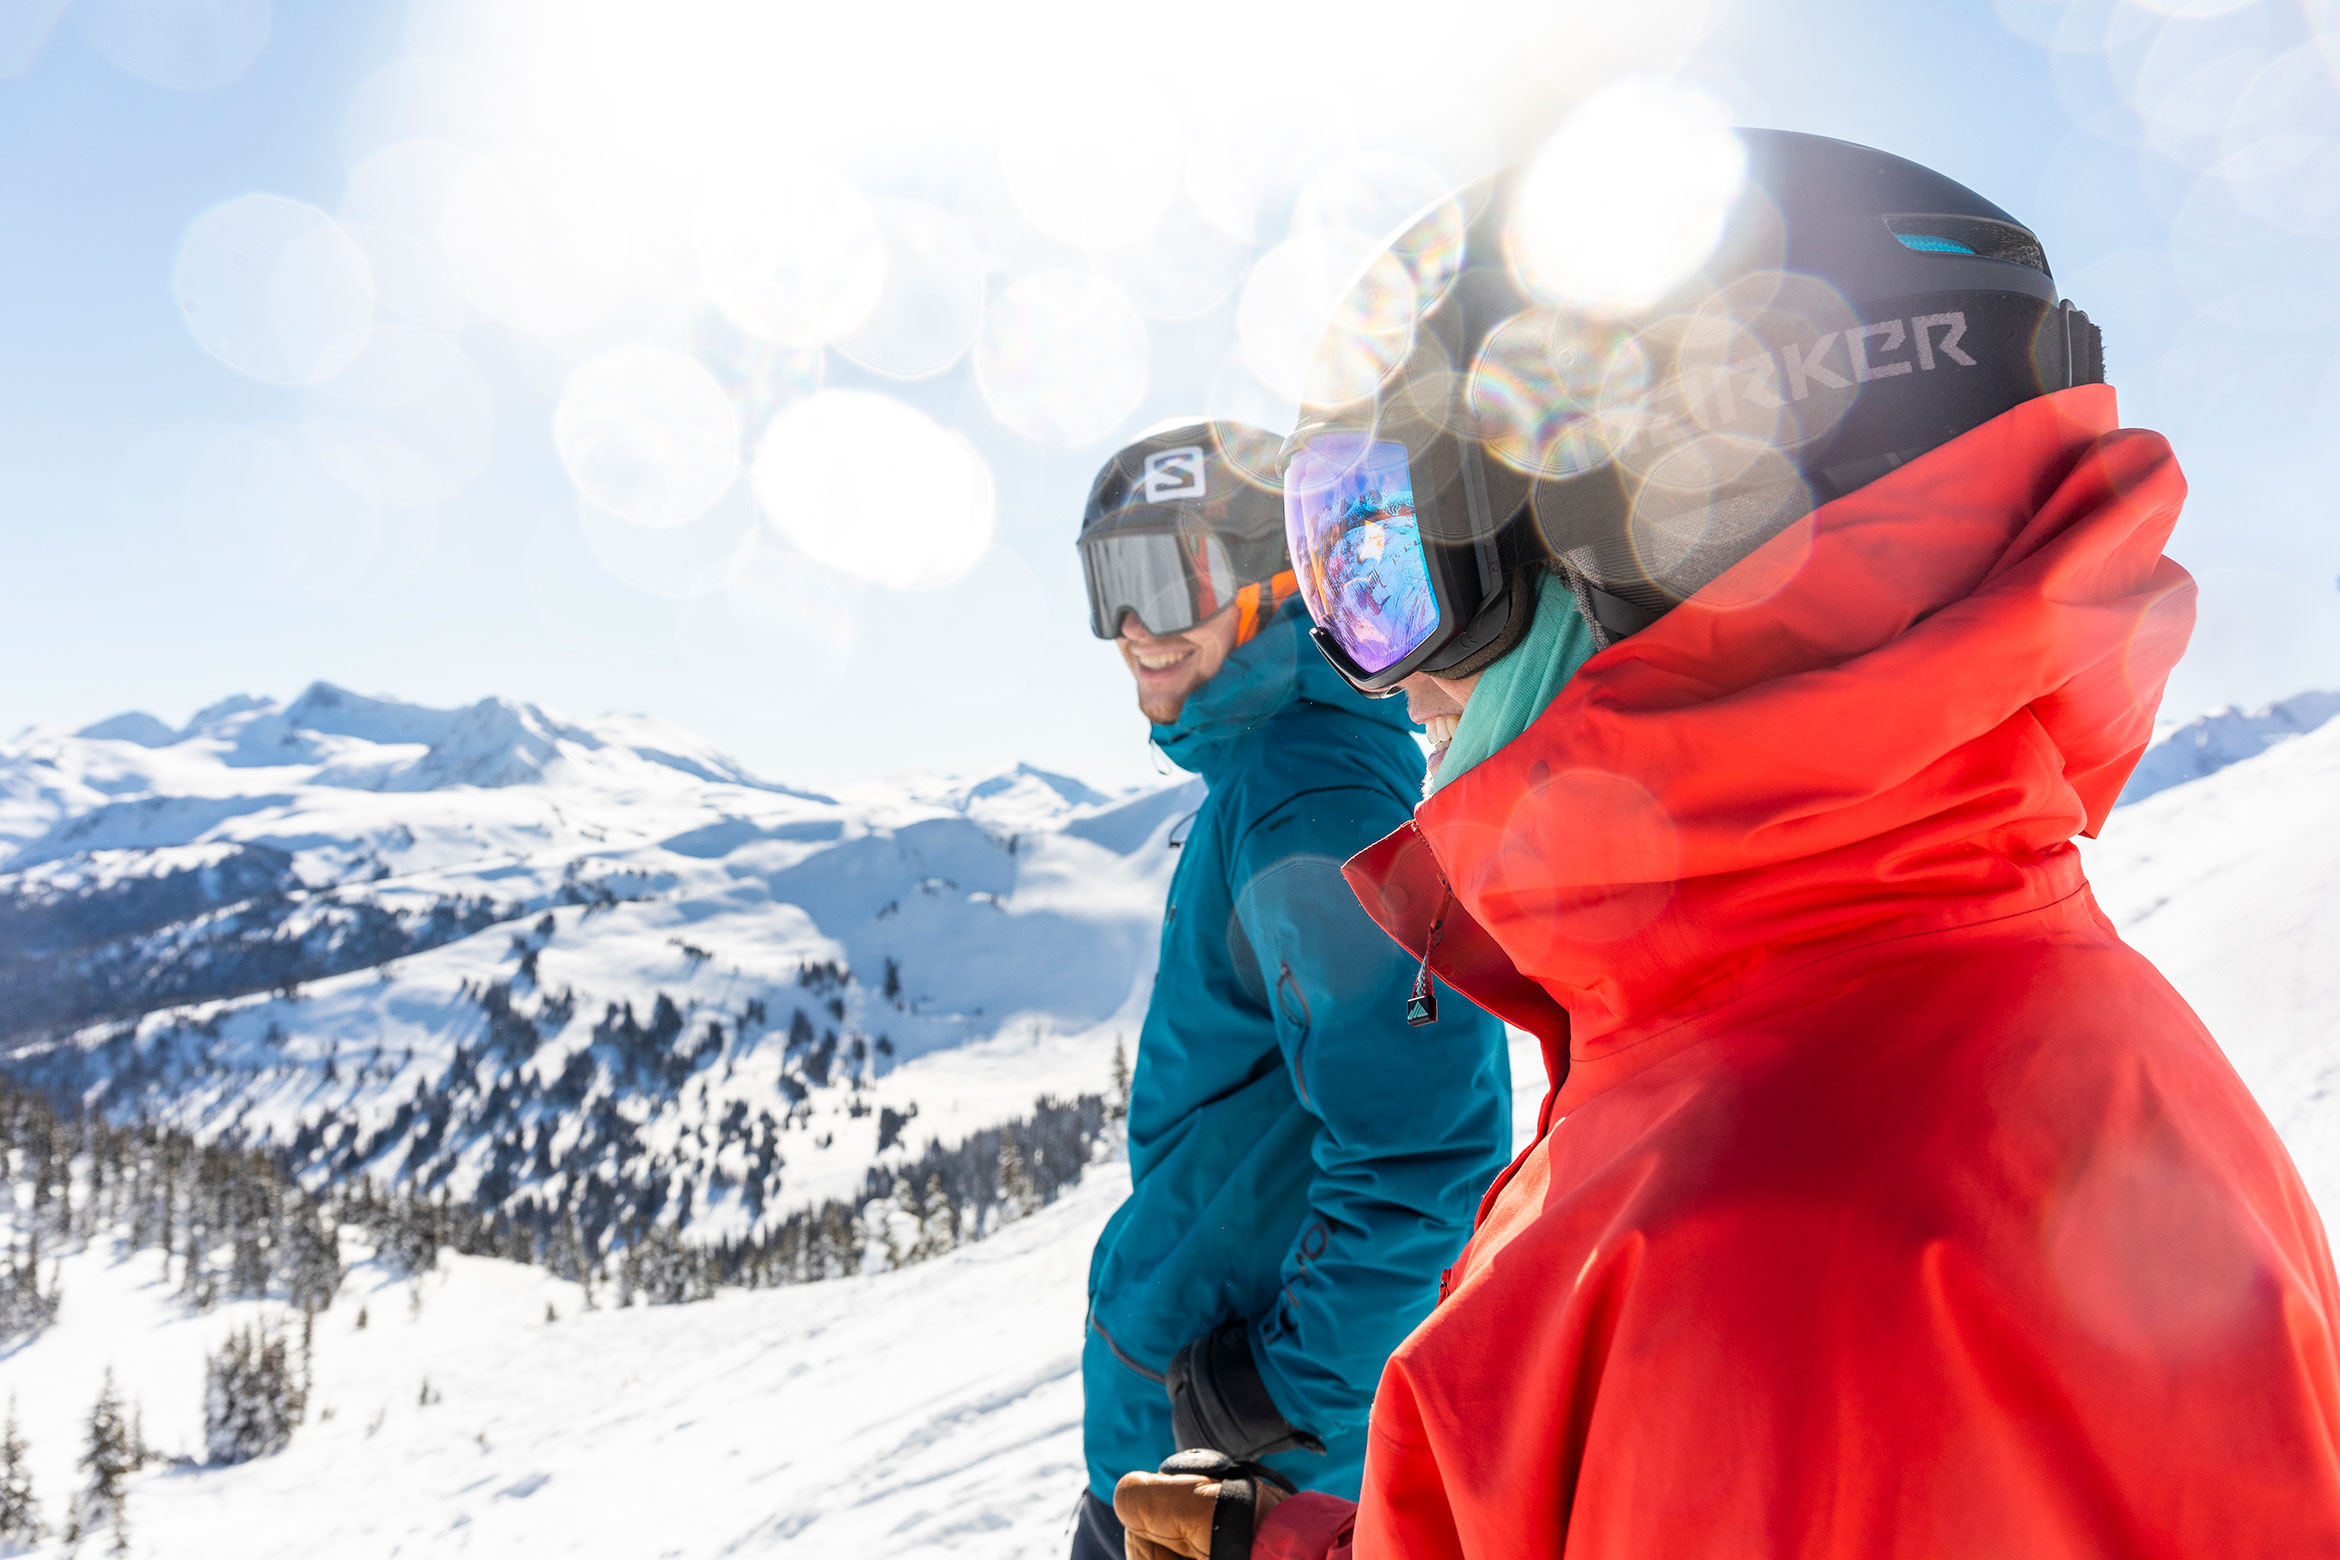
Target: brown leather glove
[1179, 1514]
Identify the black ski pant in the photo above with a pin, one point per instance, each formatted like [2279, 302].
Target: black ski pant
[1097, 1532]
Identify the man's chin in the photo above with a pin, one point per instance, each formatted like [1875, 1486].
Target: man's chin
[1163, 706]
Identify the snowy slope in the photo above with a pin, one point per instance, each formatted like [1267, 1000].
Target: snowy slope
[2231, 885]
[929, 1410]
[933, 1410]
[587, 964]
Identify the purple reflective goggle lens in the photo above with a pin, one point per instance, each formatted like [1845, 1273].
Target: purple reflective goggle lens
[1357, 547]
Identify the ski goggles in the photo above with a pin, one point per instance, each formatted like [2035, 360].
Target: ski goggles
[1396, 548]
[1171, 576]
[1356, 540]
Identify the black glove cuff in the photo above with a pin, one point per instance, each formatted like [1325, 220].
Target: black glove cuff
[1235, 1516]
[1218, 1400]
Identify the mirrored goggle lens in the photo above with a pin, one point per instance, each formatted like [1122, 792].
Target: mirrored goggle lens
[1171, 580]
[1357, 547]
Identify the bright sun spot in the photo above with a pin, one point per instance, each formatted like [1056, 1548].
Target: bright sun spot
[921, 528]
[1627, 198]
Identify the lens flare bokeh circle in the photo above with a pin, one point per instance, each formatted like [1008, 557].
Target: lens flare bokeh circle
[1325, 318]
[929, 307]
[648, 435]
[797, 258]
[1544, 387]
[186, 45]
[410, 424]
[876, 489]
[1627, 199]
[1062, 358]
[274, 289]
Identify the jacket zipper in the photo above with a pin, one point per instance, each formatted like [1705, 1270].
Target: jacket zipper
[1422, 1005]
[1154, 1376]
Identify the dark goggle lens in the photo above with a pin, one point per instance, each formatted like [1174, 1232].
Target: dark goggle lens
[1172, 580]
[1357, 547]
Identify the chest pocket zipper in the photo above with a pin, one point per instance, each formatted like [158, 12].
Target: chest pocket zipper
[1151, 1375]
[1292, 1002]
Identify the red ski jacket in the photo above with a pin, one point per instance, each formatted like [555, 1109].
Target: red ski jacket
[1886, 1203]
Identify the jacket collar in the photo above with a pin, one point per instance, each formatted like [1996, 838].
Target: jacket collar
[1275, 669]
[1891, 718]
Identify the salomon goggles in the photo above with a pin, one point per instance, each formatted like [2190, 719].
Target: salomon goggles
[1178, 525]
[1171, 576]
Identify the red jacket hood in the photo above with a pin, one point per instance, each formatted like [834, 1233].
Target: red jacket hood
[1891, 718]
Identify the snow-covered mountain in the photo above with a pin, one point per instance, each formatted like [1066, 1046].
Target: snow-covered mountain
[2231, 885]
[585, 968]
[2225, 736]
[933, 1410]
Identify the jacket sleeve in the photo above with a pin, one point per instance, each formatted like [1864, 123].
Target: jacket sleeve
[1413, 1122]
[1308, 1526]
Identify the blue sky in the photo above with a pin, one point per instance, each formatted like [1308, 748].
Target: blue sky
[165, 541]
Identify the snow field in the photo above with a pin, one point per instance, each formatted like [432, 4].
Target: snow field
[934, 1410]
[2230, 884]
[930, 1411]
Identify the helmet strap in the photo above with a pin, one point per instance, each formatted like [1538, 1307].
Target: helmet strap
[1519, 617]
[1610, 616]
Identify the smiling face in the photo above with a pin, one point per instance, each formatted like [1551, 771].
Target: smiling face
[1436, 705]
[1169, 667]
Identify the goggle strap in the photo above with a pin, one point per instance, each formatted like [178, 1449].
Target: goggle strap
[1256, 603]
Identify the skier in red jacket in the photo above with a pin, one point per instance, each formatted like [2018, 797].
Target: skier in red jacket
[1786, 631]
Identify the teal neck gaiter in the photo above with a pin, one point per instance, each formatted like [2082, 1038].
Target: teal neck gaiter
[1519, 687]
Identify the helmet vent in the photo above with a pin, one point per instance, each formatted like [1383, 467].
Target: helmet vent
[1949, 235]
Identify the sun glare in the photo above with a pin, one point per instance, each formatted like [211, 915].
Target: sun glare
[1627, 199]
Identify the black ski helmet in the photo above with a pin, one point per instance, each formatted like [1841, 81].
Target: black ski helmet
[1177, 523]
[1856, 311]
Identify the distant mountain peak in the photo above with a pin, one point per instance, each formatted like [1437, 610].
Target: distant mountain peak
[368, 741]
[211, 717]
[132, 726]
[493, 743]
[2226, 736]
[396, 941]
[1007, 780]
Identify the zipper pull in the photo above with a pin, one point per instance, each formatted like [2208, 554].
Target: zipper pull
[1422, 1006]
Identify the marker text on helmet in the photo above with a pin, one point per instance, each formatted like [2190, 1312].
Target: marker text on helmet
[1869, 351]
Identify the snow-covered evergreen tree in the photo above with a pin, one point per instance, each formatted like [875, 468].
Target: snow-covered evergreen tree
[1016, 1187]
[253, 1396]
[938, 1221]
[107, 1459]
[1117, 1097]
[25, 1307]
[20, 1514]
[312, 1259]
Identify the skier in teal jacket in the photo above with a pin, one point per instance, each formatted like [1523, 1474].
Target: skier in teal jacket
[1303, 1160]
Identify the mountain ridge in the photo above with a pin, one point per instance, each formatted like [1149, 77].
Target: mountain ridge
[512, 957]
[2227, 735]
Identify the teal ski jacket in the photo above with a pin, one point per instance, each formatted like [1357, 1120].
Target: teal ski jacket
[1300, 1159]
